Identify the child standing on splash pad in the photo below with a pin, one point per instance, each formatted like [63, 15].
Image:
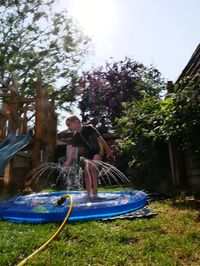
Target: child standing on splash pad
[91, 146]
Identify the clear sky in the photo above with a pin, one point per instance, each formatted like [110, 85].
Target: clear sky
[163, 33]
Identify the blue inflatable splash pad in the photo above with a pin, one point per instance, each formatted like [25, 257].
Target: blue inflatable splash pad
[43, 207]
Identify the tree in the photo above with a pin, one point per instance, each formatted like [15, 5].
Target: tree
[135, 130]
[35, 41]
[104, 90]
[151, 120]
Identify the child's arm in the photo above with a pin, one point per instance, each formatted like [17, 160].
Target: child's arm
[70, 156]
[106, 147]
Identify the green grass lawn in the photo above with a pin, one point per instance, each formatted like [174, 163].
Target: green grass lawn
[172, 237]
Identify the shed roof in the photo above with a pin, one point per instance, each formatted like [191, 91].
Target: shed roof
[193, 66]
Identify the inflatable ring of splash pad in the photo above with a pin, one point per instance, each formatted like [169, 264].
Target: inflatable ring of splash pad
[44, 207]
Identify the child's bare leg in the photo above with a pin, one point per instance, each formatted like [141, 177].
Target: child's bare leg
[91, 174]
[94, 173]
[88, 178]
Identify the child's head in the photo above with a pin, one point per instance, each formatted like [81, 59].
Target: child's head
[73, 123]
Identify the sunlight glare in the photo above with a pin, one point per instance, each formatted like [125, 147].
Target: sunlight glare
[95, 16]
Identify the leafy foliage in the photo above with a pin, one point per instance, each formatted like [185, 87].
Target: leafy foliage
[35, 41]
[104, 90]
[151, 120]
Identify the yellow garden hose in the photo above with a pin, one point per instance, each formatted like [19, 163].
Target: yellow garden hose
[54, 235]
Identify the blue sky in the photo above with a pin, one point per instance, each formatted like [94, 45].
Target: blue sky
[163, 33]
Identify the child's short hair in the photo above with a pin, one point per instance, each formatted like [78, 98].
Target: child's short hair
[73, 118]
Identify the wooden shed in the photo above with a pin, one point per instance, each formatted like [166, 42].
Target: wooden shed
[186, 164]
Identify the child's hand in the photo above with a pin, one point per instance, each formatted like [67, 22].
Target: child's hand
[111, 155]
